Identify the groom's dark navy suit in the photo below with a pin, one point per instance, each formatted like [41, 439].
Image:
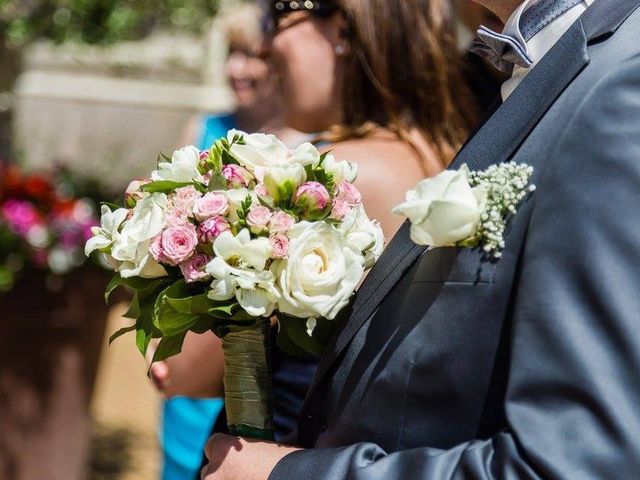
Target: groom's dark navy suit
[455, 367]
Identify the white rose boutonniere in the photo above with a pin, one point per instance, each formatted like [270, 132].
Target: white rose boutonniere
[464, 208]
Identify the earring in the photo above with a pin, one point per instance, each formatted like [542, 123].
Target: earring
[340, 50]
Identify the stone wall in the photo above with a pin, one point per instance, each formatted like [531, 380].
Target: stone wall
[108, 112]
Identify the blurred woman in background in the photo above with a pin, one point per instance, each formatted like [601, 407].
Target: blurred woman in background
[382, 79]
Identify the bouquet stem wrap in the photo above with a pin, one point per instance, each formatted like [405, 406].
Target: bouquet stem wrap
[247, 380]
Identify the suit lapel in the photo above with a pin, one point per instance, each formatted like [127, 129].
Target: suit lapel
[494, 142]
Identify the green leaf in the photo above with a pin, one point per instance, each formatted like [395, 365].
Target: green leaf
[121, 332]
[134, 307]
[168, 347]
[217, 182]
[175, 312]
[293, 337]
[145, 330]
[135, 283]
[165, 186]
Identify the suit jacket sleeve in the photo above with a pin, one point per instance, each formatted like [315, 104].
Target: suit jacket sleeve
[573, 395]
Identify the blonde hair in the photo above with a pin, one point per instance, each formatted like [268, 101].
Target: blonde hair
[242, 23]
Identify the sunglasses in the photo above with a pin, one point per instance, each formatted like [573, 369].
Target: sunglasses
[280, 8]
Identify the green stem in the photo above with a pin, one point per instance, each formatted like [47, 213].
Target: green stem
[247, 380]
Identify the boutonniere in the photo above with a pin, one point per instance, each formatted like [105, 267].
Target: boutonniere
[466, 209]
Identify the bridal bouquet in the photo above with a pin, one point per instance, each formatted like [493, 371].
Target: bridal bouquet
[228, 238]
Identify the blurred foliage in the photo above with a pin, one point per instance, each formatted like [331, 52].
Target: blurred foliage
[101, 22]
[110, 456]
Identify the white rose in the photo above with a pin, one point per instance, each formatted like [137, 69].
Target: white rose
[235, 198]
[182, 168]
[363, 234]
[238, 270]
[340, 170]
[281, 181]
[320, 274]
[444, 209]
[262, 150]
[131, 247]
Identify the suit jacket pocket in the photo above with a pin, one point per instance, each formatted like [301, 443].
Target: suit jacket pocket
[455, 265]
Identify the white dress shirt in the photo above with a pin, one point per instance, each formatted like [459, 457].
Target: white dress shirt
[541, 43]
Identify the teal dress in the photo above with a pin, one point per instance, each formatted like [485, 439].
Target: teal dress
[187, 422]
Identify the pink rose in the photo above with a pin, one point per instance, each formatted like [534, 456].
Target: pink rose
[176, 216]
[210, 205]
[184, 198]
[211, 229]
[237, 176]
[349, 193]
[261, 190]
[340, 208]
[178, 243]
[279, 245]
[204, 155]
[281, 222]
[156, 249]
[134, 192]
[258, 219]
[193, 269]
[314, 200]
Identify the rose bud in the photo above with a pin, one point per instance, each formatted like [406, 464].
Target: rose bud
[236, 176]
[193, 270]
[279, 245]
[281, 222]
[258, 219]
[134, 193]
[313, 199]
[211, 229]
[281, 181]
[210, 205]
[349, 193]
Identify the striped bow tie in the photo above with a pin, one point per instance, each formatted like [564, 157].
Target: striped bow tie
[504, 51]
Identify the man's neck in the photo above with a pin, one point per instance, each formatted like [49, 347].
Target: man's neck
[502, 8]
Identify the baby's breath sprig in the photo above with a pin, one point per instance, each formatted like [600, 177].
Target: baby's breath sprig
[505, 185]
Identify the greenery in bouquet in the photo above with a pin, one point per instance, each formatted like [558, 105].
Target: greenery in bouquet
[43, 224]
[225, 239]
[98, 21]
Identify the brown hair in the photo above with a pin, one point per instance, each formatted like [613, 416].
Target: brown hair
[403, 73]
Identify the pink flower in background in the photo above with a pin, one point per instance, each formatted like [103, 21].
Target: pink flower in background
[21, 216]
[210, 205]
[281, 222]
[211, 229]
[280, 245]
[258, 219]
[314, 200]
[177, 244]
[349, 193]
[237, 176]
[340, 208]
[204, 155]
[193, 269]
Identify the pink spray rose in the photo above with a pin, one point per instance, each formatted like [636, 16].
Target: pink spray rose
[185, 198]
[236, 176]
[281, 222]
[211, 229]
[176, 216]
[177, 244]
[314, 200]
[349, 193]
[280, 245]
[210, 205]
[340, 208]
[193, 269]
[258, 219]
[156, 250]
